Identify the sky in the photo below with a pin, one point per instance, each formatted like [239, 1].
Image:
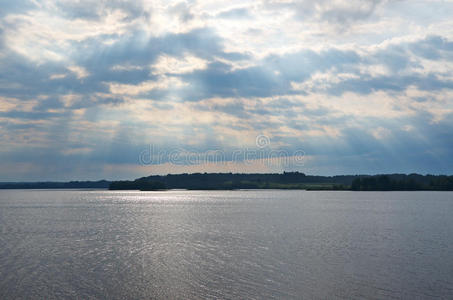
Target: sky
[123, 89]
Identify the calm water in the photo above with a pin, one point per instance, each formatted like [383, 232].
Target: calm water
[226, 244]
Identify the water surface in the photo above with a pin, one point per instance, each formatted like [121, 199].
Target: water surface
[225, 244]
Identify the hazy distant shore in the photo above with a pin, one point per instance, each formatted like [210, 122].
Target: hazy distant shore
[229, 181]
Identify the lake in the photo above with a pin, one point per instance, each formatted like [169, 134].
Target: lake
[225, 244]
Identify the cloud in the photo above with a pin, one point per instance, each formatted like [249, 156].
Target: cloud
[94, 10]
[19, 6]
[433, 47]
[87, 85]
[182, 11]
[140, 49]
[343, 12]
[234, 13]
[340, 13]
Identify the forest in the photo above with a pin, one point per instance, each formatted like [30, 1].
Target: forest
[288, 180]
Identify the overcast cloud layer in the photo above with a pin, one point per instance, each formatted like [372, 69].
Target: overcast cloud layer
[358, 86]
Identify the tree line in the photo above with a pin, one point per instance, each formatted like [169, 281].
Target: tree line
[288, 180]
[413, 182]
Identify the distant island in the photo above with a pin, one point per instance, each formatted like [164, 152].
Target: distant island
[101, 184]
[230, 181]
[288, 180]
